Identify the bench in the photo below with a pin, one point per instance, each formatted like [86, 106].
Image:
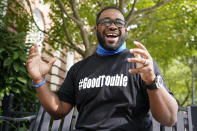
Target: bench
[44, 122]
[186, 121]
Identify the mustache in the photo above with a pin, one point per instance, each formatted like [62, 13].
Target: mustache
[111, 32]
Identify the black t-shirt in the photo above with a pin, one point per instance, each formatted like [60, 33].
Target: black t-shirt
[106, 95]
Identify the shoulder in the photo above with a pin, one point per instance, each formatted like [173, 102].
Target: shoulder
[80, 63]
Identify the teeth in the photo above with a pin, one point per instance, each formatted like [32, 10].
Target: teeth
[112, 35]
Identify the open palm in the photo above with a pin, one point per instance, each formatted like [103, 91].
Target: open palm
[36, 66]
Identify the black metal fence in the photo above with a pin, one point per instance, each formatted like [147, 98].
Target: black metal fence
[16, 120]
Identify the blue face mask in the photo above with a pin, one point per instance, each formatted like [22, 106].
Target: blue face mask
[102, 51]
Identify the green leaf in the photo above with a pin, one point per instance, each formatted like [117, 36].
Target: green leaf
[1, 95]
[23, 57]
[23, 69]
[15, 55]
[15, 90]
[7, 62]
[1, 50]
[7, 90]
[16, 67]
[21, 79]
[11, 78]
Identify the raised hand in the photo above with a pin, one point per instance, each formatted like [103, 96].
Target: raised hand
[144, 63]
[36, 66]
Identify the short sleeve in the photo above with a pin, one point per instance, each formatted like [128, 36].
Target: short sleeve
[66, 92]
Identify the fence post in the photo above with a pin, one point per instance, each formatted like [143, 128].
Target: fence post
[194, 116]
[7, 107]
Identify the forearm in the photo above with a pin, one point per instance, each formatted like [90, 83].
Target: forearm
[37, 68]
[51, 102]
[163, 106]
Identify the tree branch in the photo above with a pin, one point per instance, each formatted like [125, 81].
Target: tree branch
[62, 7]
[91, 50]
[146, 10]
[129, 17]
[81, 28]
[162, 19]
[138, 18]
[150, 9]
[117, 3]
[122, 4]
[100, 4]
[21, 5]
[188, 93]
[79, 50]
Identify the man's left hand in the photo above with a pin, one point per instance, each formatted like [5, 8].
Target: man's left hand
[144, 63]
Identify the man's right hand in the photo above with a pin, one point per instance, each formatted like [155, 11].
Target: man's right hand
[36, 66]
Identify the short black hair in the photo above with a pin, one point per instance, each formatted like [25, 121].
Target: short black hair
[106, 8]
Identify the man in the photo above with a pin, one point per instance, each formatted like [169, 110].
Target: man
[113, 89]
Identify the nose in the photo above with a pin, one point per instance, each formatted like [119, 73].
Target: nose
[113, 26]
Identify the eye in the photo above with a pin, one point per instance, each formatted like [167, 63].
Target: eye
[120, 23]
[105, 22]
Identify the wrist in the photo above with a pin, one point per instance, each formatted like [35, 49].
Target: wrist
[40, 83]
[38, 80]
[150, 81]
[158, 83]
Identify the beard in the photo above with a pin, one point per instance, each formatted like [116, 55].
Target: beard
[110, 47]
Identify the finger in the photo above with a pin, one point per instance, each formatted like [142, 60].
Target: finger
[31, 50]
[33, 55]
[137, 70]
[51, 62]
[141, 52]
[139, 60]
[29, 61]
[136, 55]
[36, 48]
[139, 45]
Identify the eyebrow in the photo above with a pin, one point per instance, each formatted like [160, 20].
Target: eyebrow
[110, 18]
[120, 19]
[105, 18]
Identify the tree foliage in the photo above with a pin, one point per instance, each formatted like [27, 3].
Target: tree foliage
[13, 55]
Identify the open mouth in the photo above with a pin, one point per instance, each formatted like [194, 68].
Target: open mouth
[111, 37]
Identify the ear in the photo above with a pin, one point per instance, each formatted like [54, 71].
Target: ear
[126, 32]
[95, 29]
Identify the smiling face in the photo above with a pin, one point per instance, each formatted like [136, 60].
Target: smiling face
[111, 36]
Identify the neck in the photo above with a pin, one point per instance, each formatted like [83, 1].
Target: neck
[102, 51]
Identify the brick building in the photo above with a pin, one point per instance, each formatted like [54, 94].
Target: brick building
[65, 58]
